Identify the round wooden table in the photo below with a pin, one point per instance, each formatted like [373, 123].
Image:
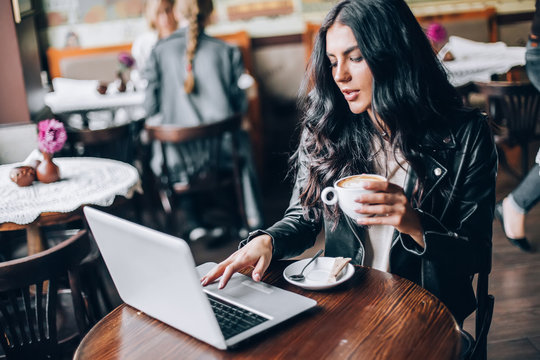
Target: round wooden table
[84, 181]
[374, 315]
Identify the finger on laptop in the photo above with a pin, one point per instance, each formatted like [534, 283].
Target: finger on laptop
[216, 271]
[228, 273]
[260, 268]
[248, 256]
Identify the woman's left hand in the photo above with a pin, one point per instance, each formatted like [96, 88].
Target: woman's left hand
[388, 205]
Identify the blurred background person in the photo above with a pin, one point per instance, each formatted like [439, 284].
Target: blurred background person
[512, 209]
[193, 79]
[162, 22]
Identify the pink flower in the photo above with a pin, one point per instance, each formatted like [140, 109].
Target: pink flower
[52, 135]
[436, 33]
[125, 60]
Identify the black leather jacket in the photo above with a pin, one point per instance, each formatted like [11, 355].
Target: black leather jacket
[456, 212]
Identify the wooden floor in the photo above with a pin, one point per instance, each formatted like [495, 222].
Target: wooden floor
[515, 283]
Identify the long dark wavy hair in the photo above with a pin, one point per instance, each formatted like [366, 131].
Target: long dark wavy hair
[411, 95]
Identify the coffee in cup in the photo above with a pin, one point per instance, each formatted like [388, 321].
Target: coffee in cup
[346, 190]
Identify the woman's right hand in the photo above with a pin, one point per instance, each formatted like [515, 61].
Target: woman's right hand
[257, 253]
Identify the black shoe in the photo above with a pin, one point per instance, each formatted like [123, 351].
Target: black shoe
[521, 243]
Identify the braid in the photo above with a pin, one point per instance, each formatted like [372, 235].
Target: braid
[193, 36]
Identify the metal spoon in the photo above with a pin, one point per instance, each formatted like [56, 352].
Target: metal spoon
[300, 277]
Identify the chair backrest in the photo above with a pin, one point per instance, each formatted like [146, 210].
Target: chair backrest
[179, 134]
[484, 314]
[117, 142]
[28, 298]
[17, 141]
[200, 147]
[484, 310]
[514, 105]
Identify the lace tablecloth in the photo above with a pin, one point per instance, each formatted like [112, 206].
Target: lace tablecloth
[476, 61]
[84, 181]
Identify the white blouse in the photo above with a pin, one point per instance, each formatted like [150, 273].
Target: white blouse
[378, 239]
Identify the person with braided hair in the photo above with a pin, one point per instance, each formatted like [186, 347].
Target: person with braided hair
[176, 87]
[193, 79]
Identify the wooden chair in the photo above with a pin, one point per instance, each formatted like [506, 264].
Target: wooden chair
[118, 142]
[515, 107]
[30, 303]
[483, 315]
[201, 150]
[99, 292]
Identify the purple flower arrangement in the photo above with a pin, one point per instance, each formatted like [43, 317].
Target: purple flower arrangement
[436, 33]
[126, 60]
[52, 135]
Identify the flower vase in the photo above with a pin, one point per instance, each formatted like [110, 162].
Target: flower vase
[121, 82]
[47, 171]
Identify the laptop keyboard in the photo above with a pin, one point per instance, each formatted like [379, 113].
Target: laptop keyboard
[233, 319]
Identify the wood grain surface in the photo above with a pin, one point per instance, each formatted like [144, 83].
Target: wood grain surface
[374, 315]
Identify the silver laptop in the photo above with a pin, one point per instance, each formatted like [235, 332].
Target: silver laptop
[156, 274]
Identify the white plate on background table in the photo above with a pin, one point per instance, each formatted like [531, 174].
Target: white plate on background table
[317, 273]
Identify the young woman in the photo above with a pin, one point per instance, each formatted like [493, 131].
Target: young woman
[376, 100]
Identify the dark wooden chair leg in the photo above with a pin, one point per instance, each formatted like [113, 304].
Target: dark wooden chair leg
[503, 161]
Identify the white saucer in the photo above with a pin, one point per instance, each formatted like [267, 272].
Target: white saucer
[317, 273]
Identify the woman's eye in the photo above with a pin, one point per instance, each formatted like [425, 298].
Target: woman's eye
[333, 64]
[357, 59]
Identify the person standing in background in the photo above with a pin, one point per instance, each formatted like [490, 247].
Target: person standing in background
[512, 209]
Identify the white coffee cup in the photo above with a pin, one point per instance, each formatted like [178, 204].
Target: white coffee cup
[346, 190]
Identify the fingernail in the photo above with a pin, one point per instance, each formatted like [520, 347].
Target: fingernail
[203, 281]
[256, 277]
[221, 284]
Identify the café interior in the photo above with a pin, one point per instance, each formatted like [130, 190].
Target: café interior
[62, 60]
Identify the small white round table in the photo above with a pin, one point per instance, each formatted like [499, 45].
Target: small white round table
[84, 181]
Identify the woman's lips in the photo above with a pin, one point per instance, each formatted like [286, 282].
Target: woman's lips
[350, 95]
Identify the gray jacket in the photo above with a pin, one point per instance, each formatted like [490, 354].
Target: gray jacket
[217, 67]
